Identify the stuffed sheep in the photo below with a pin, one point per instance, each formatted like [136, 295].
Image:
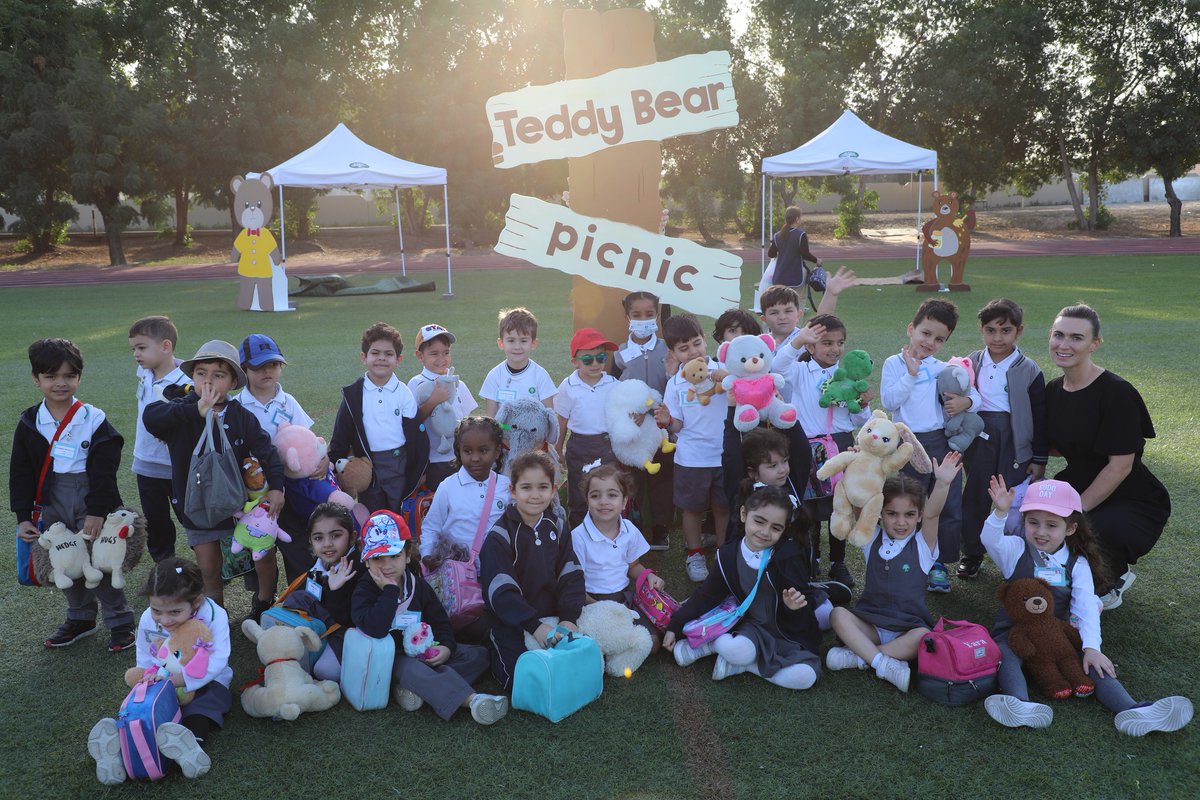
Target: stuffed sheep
[442, 421]
[69, 560]
[634, 443]
[286, 691]
[752, 385]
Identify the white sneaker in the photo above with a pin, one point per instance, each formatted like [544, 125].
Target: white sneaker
[487, 709]
[1014, 713]
[407, 700]
[843, 658]
[1166, 715]
[104, 745]
[723, 668]
[179, 744]
[895, 672]
[1116, 596]
[686, 655]
[697, 570]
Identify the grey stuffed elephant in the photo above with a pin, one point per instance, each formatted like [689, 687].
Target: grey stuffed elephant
[530, 425]
[442, 420]
[961, 429]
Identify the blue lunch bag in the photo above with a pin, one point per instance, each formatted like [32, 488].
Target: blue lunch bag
[559, 681]
[367, 669]
[147, 706]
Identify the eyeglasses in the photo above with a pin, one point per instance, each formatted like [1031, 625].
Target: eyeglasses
[587, 360]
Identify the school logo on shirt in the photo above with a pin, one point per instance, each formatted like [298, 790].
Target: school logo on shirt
[905, 568]
[396, 411]
[532, 390]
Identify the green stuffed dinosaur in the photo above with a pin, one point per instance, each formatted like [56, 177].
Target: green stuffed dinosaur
[848, 382]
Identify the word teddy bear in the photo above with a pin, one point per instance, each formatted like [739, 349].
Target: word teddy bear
[1047, 646]
[752, 384]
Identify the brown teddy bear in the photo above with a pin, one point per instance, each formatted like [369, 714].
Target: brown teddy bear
[1048, 646]
[703, 387]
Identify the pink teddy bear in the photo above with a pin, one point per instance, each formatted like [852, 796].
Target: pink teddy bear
[752, 385]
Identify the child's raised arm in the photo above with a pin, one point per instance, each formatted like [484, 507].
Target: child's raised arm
[944, 473]
[835, 284]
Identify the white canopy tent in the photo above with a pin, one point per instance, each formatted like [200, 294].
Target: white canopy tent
[341, 161]
[847, 147]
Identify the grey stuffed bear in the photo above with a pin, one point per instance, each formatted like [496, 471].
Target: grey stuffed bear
[961, 429]
[528, 425]
[442, 420]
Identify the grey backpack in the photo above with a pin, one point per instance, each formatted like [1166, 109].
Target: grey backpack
[215, 489]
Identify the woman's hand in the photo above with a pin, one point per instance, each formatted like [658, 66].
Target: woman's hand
[1002, 496]
[793, 599]
[1094, 659]
[340, 574]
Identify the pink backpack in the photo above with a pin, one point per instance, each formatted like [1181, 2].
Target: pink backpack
[957, 663]
[657, 606]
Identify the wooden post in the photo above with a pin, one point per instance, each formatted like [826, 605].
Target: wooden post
[620, 183]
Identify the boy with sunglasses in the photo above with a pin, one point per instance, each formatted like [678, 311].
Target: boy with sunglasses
[580, 406]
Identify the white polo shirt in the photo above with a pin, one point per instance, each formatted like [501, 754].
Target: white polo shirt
[606, 561]
[992, 381]
[70, 452]
[581, 405]
[464, 403]
[503, 385]
[806, 379]
[913, 400]
[150, 456]
[382, 410]
[456, 508]
[699, 441]
[276, 411]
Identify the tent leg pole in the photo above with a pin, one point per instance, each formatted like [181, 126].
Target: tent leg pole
[282, 229]
[762, 233]
[400, 233]
[920, 183]
[449, 272]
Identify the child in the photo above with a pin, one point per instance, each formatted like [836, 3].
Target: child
[264, 397]
[807, 367]
[609, 548]
[216, 371]
[153, 340]
[433, 351]
[76, 452]
[777, 638]
[699, 484]
[782, 309]
[1058, 547]
[366, 422]
[517, 375]
[175, 589]
[396, 597]
[733, 323]
[1013, 408]
[908, 389]
[580, 408]
[885, 627]
[528, 569]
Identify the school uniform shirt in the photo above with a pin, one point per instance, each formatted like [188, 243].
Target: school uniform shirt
[150, 456]
[374, 610]
[456, 508]
[992, 382]
[806, 379]
[889, 548]
[699, 441]
[503, 385]
[647, 362]
[581, 405]
[914, 400]
[606, 561]
[276, 411]
[350, 437]
[383, 409]
[149, 633]
[463, 402]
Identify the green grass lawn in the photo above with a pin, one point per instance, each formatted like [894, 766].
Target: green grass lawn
[850, 736]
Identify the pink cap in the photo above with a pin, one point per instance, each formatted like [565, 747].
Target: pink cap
[1057, 497]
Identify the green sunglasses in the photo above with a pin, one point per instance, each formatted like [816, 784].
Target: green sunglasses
[587, 360]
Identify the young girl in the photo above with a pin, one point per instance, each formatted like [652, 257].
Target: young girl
[175, 589]
[778, 637]
[735, 322]
[396, 597]
[528, 568]
[1059, 547]
[609, 548]
[886, 625]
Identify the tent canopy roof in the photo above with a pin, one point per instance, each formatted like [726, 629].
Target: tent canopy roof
[849, 147]
[341, 159]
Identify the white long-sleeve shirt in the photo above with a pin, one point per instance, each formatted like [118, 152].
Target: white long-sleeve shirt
[913, 400]
[149, 632]
[806, 379]
[456, 508]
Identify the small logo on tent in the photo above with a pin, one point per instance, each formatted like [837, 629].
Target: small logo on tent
[361, 165]
[843, 154]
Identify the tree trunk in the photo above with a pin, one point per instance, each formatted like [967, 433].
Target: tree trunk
[862, 193]
[1069, 179]
[1093, 193]
[790, 187]
[1175, 203]
[181, 214]
[112, 233]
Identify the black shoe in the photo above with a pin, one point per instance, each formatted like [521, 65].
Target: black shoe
[969, 567]
[121, 638]
[838, 592]
[258, 606]
[838, 571]
[71, 632]
[660, 538]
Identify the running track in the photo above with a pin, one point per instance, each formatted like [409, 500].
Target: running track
[435, 264]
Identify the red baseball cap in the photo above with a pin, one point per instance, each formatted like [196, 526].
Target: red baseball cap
[589, 339]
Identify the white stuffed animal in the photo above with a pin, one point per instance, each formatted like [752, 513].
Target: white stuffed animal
[442, 421]
[623, 644]
[69, 560]
[109, 550]
[286, 691]
[635, 444]
[752, 385]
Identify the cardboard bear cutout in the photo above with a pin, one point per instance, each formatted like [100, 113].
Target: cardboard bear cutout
[263, 282]
[946, 237]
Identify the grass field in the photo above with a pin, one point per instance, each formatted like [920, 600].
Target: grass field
[667, 732]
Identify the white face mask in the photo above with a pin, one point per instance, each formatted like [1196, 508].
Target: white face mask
[643, 327]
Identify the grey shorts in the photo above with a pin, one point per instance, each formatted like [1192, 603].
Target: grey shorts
[699, 488]
[195, 537]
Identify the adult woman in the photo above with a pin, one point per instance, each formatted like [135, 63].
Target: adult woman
[789, 248]
[1099, 423]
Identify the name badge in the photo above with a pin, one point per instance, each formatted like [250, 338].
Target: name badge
[506, 395]
[1054, 575]
[405, 618]
[314, 588]
[64, 450]
[280, 416]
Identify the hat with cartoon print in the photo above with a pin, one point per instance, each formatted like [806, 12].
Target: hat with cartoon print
[384, 534]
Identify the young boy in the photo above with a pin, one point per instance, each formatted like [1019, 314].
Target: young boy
[180, 422]
[733, 323]
[433, 351]
[80, 453]
[517, 375]
[579, 404]
[1013, 393]
[378, 418]
[699, 484]
[153, 340]
[908, 389]
[264, 396]
[782, 309]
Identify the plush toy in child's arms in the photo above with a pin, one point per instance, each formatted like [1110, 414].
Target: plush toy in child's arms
[956, 379]
[1048, 647]
[635, 444]
[443, 420]
[419, 642]
[185, 652]
[703, 387]
[754, 388]
[69, 558]
[848, 383]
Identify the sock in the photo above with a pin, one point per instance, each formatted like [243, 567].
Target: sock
[877, 661]
[694, 550]
[199, 725]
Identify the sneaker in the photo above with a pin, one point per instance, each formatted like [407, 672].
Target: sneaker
[839, 593]
[1166, 715]
[407, 699]
[969, 567]
[1013, 713]
[121, 638]
[838, 571]
[697, 570]
[104, 745]
[708, 540]
[939, 579]
[723, 668]
[487, 709]
[71, 632]
[258, 606]
[843, 658]
[686, 655]
[895, 672]
[181, 746]
[1115, 596]
[660, 538]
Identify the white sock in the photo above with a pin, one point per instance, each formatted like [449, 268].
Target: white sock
[877, 661]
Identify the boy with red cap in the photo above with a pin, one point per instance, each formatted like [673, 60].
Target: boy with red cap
[580, 407]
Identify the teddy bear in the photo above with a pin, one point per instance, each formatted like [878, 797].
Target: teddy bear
[946, 238]
[634, 444]
[1047, 646]
[256, 531]
[752, 385]
[848, 383]
[702, 386]
[186, 651]
[443, 420]
[111, 550]
[69, 558]
[354, 474]
[884, 446]
[623, 644]
[419, 641]
[956, 379]
[285, 690]
[255, 251]
[308, 477]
